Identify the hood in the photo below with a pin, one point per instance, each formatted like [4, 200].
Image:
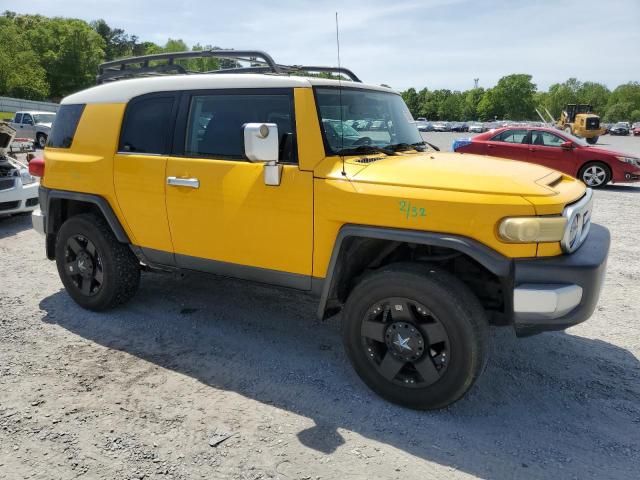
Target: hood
[461, 172]
[7, 134]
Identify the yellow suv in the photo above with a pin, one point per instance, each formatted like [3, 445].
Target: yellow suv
[321, 185]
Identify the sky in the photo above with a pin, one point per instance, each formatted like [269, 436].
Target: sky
[402, 43]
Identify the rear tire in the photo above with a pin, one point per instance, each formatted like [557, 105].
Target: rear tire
[97, 271]
[417, 336]
[595, 174]
[592, 140]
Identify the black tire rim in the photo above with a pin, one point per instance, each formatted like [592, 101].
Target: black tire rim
[83, 265]
[406, 342]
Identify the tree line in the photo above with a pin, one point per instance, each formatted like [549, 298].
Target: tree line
[45, 58]
[48, 58]
[516, 97]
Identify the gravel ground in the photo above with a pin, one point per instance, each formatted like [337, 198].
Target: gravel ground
[201, 377]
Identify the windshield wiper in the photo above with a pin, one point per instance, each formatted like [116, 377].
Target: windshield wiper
[364, 149]
[400, 147]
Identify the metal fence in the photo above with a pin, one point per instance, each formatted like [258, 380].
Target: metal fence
[8, 104]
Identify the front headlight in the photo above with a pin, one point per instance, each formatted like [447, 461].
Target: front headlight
[26, 177]
[532, 229]
[631, 160]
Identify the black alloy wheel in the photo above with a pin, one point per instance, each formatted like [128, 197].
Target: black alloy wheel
[406, 342]
[83, 265]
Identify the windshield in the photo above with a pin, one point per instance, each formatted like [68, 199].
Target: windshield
[369, 120]
[44, 117]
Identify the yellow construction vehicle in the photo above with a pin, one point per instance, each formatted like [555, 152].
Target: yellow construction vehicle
[578, 120]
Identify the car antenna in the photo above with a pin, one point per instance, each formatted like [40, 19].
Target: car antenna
[344, 173]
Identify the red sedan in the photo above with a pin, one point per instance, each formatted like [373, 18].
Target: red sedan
[555, 149]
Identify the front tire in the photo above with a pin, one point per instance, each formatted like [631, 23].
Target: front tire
[595, 174]
[97, 271]
[417, 336]
[592, 140]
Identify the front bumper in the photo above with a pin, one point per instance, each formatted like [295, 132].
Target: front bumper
[557, 292]
[19, 199]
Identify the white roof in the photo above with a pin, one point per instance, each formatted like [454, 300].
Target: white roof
[122, 91]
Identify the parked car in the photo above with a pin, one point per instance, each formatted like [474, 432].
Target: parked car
[33, 125]
[550, 147]
[459, 127]
[18, 188]
[636, 129]
[620, 128]
[424, 126]
[343, 133]
[441, 127]
[475, 127]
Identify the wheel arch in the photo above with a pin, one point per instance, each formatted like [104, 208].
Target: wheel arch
[345, 262]
[61, 205]
[595, 160]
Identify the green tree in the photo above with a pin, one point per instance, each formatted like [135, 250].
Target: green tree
[594, 94]
[489, 107]
[21, 74]
[471, 102]
[117, 43]
[69, 50]
[627, 94]
[451, 106]
[514, 95]
[204, 64]
[412, 99]
[618, 112]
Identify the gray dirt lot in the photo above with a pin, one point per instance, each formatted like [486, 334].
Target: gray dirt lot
[145, 391]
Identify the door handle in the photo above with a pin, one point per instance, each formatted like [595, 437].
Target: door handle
[532, 149]
[183, 182]
[489, 145]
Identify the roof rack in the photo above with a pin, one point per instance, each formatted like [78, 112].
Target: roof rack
[261, 62]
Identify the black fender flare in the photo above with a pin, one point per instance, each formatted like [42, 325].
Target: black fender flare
[496, 263]
[49, 195]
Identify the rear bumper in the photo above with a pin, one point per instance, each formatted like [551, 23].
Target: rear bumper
[38, 219]
[558, 292]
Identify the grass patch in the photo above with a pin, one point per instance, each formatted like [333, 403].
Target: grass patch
[4, 115]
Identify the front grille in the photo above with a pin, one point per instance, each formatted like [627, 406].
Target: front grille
[32, 202]
[9, 205]
[593, 123]
[578, 217]
[7, 183]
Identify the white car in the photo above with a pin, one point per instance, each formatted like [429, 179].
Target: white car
[476, 128]
[18, 189]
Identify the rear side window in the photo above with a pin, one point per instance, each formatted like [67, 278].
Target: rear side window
[65, 125]
[511, 136]
[147, 125]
